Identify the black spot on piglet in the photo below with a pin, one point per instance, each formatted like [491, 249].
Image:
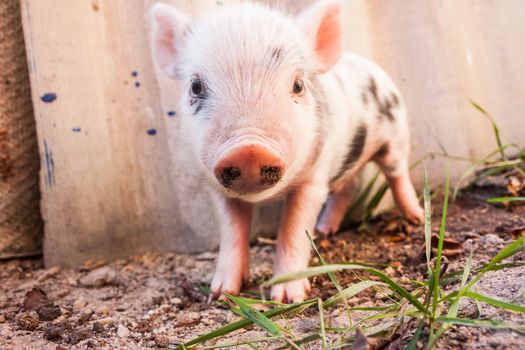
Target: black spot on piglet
[384, 105]
[277, 55]
[355, 150]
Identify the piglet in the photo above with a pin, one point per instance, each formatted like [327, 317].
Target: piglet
[273, 108]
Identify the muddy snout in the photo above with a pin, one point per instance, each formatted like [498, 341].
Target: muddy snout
[249, 168]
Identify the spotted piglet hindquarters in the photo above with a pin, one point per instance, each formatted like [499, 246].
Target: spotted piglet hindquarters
[272, 108]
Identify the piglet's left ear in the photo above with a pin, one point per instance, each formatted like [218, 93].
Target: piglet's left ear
[321, 24]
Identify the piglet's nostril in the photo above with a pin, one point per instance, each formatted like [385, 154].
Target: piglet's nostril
[228, 175]
[270, 175]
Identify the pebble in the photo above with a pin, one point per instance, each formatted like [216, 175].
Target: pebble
[98, 327]
[100, 277]
[52, 272]
[162, 340]
[49, 312]
[122, 331]
[28, 321]
[106, 320]
[176, 301]
[190, 318]
[52, 332]
[102, 310]
[2, 318]
[79, 304]
[77, 335]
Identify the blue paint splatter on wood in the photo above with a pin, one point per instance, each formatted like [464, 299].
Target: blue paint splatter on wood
[50, 165]
[76, 129]
[137, 83]
[48, 97]
[171, 113]
[134, 73]
[152, 132]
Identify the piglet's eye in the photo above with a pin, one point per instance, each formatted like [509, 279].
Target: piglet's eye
[298, 86]
[198, 89]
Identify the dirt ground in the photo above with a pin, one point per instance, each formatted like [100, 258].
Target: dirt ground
[156, 300]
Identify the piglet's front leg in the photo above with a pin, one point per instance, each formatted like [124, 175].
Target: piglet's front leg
[233, 263]
[293, 247]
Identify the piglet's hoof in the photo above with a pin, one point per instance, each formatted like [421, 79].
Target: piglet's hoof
[291, 292]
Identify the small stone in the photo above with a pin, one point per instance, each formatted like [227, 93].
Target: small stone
[77, 335]
[176, 301]
[52, 272]
[62, 293]
[102, 310]
[98, 327]
[122, 331]
[106, 321]
[28, 321]
[157, 300]
[52, 332]
[161, 340]
[48, 312]
[190, 318]
[35, 299]
[85, 317]
[2, 318]
[100, 277]
[79, 304]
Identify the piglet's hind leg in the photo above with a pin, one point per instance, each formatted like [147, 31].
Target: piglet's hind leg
[394, 164]
[336, 207]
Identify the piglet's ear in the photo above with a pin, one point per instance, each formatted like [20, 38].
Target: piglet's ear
[168, 26]
[321, 24]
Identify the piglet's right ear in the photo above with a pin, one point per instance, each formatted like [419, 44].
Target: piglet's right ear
[168, 26]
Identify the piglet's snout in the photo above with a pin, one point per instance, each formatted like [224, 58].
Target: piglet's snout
[249, 168]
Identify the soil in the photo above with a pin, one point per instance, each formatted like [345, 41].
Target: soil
[159, 300]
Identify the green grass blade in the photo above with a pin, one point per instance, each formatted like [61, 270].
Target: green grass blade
[437, 270]
[495, 302]
[482, 323]
[413, 342]
[255, 316]
[454, 306]
[494, 125]
[358, 207]
[330, 275]
[323, 262]
[376, 199]
[520, 170]
[232, 327]
[308, 339]
[515, 247]
[350, 292]
[428, 215]
[250, 344]
[322, 331]
[237, 343]
[476, 165]
[506, 199]
[318, 270]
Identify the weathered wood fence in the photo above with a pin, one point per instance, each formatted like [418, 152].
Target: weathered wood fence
[113, 179]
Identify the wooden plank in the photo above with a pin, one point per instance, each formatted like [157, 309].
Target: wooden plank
[111, 187]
